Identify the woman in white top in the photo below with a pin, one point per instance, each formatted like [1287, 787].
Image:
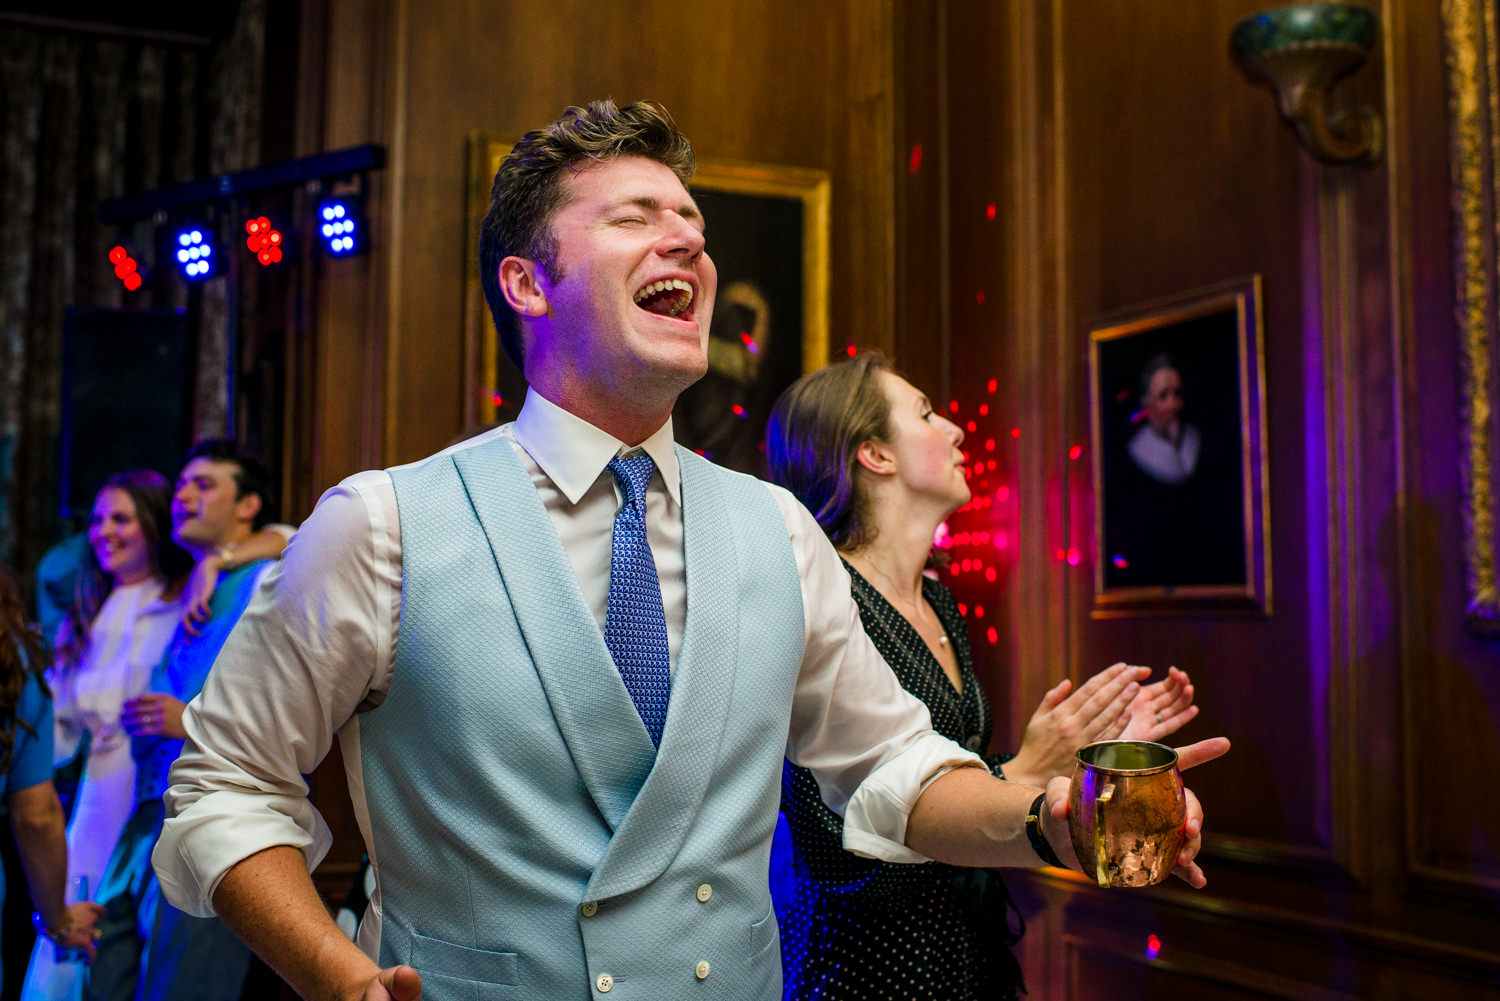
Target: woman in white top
[128, 605]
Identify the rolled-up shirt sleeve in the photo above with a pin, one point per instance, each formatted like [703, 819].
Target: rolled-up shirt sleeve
[315, 645]
[868, 742]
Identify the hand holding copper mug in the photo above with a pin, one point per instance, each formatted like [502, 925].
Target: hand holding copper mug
[1127, 810]
[1065, 803]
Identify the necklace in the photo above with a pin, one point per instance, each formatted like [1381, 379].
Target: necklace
[914, 612]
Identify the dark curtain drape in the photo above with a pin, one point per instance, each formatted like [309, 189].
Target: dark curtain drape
[87, 115]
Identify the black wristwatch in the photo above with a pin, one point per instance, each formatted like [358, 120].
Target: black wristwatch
[1034, 834]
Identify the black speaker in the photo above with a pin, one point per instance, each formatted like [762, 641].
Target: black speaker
[127, 397]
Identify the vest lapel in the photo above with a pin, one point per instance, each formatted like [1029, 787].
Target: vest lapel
[667, 805]
[593, 711]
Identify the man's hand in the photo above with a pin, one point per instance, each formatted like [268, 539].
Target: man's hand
[1054, 820]
[395, 983]
[153, 714]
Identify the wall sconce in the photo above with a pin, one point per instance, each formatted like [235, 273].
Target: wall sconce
[1302, 50]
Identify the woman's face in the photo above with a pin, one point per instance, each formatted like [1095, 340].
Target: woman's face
[925, 446]
[117, 537]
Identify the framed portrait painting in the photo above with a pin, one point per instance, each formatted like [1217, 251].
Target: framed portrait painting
[768, 237]
[1180, 486]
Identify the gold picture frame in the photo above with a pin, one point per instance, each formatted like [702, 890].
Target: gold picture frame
[1470, 38]
[758, 215]
[1181, 495]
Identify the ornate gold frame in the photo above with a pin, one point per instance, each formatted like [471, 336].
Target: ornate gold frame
[1253, 595]
[1471, 42]
[811, 187]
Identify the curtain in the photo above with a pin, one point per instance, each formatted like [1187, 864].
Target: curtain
[87, 115]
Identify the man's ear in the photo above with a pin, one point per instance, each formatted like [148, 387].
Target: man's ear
[875, 457]
[247, 507]
[521, 287]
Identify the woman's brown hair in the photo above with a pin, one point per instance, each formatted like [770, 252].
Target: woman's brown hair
[23, 653]
[813, 439]
[152, 496]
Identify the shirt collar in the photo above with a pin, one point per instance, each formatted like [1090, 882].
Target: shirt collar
[572, 452]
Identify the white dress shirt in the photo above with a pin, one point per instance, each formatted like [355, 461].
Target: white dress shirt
[1166, 461]
[317, 645]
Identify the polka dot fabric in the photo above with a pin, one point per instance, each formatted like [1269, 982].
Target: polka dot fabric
[857, 928]
[635, 626]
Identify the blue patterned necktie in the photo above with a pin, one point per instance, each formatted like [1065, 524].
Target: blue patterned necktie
[635, 626]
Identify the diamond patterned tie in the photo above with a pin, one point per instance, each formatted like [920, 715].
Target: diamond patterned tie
[635, 626]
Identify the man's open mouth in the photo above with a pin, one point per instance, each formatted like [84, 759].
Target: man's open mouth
[670, 297]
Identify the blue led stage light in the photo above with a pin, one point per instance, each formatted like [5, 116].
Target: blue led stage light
[342, 225]
[194, 251]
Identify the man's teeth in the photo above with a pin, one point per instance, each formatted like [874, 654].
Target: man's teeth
[668, 285]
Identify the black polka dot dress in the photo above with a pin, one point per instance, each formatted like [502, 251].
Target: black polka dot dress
[857, 928]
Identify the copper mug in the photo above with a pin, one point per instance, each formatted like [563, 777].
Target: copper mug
[1126, 811]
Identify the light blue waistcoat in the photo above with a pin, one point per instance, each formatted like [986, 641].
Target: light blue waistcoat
[531, 844]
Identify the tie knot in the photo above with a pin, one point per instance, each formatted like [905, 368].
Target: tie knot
[632, 473]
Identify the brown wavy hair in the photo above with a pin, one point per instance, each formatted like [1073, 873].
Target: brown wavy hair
[528, 189]
[23, 653]
[152, 496]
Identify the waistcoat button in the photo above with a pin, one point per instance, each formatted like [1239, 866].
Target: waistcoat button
[605, 983]
[701, 970]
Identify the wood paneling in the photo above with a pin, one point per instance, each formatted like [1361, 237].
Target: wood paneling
[1075, 157]
[1451, 683]
[1348, 846]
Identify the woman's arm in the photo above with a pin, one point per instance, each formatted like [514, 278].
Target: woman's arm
[36, 819]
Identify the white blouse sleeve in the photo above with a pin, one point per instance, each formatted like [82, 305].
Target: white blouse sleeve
[316, 643]
[867, 741]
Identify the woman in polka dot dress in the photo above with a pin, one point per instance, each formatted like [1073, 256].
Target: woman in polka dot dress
[865, 452]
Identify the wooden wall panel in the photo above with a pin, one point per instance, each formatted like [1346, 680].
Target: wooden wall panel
[1347, 848]
[341, 363]
[1075, 157]
[1452, 679]
[1177, 175]
[1000, 210]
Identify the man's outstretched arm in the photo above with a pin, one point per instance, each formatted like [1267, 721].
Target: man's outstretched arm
[969, 817]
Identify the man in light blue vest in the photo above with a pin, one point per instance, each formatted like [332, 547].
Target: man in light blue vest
[150, 950]
[565, 659]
